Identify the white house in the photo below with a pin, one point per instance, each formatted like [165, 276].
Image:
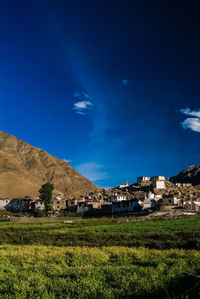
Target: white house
[142, 179]
[124, 186]
[4, 203]
[149, 203]
[158, 184]
[120, 197]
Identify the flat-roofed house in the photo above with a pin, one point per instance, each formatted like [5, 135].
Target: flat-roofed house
[59, 204]
[15, 204]
[120, 197]
[149, 203]
[87, 206]
[170, 200]
[125, 206]
[158, 184]
[192, 205]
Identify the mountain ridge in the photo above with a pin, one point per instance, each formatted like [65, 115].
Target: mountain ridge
[24, 168]
[189, 175]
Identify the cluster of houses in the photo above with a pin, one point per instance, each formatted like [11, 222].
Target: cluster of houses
[118, 203]
[105, 203]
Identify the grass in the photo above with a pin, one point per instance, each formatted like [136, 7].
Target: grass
[108, 272]
[100, 258]
[159, 234]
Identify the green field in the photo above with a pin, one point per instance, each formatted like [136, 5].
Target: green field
[100, 258]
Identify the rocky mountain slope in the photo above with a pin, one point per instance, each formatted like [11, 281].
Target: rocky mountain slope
[24, 168]
[189, 175]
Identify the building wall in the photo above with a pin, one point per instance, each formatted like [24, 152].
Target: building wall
[59, 204]
[157, 178]
[124, 206]
[82, 207]
[158, 184]
[192, 205]
[18, 205]
[37, 205]
[120, 197]
[170, 201]
[149, 203]
[4, 203]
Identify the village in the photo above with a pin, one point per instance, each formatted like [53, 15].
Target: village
[148, 195]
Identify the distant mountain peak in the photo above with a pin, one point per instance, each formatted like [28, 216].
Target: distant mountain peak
[189, 175]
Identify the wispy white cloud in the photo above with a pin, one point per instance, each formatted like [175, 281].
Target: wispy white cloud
[82, 106]
[187, 111]
[93, 171]
[83, 102]
[192, 123]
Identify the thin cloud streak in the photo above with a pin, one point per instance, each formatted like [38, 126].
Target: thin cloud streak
[83, 102]
[82, 106]
[192, 123]
[92, 170]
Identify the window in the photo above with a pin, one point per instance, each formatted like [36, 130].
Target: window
[170, 200]
[118, 205]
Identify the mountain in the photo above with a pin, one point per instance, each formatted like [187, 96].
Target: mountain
[24, 168]
[189, 175]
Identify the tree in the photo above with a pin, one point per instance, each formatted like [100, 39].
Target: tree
[46, 196]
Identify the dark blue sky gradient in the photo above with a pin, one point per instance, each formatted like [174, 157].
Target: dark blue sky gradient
[51, 50]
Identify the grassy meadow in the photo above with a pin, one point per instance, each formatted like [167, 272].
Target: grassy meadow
[100, 258]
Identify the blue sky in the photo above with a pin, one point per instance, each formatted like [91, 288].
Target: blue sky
[110, 86]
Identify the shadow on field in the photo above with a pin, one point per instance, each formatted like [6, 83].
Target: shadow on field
[184, 240]
[187, 287]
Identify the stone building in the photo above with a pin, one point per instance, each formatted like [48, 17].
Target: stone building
[170, 200]
[125, 206]
[15, 205]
